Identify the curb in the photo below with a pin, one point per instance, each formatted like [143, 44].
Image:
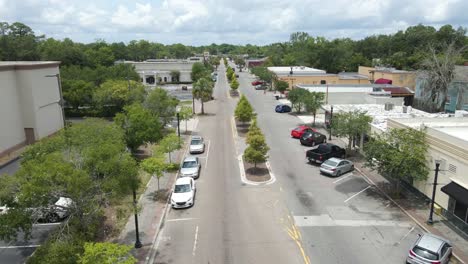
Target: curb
[9, 162]
[402, 209]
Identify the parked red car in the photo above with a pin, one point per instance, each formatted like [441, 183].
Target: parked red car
[257, 82]
[299, 131]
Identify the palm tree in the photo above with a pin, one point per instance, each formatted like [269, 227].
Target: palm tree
[203, 90]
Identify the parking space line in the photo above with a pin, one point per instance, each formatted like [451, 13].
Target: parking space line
[25, 246]
[356, 194]
[180, 219]
[195, 242]
[47, 224]
[407, 234]
[343, 178]
[207, 154]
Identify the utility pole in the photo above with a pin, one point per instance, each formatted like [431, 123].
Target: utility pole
[430, 221]
[330, 122]
[137, 232]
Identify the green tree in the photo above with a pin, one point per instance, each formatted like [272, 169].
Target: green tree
[281, 86]
[298, 98]
[106, 253]
[215, 62]
[169, 143]
[199, 71]
[350, 125]
[77, 92]
[253, 130]
[230, 73]
[203, 90]
[175, 75]
[156, 166]
[257, 150]
[399, 154]
[244, 110]
[139, 126]
[234, 84]
[118, 93]
[185, 114]
[313, 101]
[160, 102]
[240, 62]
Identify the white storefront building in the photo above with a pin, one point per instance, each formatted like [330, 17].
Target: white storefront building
[29, 103]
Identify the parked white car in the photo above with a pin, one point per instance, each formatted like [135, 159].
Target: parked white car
[197, 145]
[52, 213]
[183, 195]
[190, 167]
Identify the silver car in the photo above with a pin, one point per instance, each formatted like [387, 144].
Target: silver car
[336, 167]
[197, 145]
[430, 249]
[190, 167]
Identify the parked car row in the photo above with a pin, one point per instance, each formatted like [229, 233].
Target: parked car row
[183, 195]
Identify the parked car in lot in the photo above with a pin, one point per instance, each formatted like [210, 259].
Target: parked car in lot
[53, 213]
[197, 145]
[257, 82]
[312, 138]
[183, 195]
[325, 151]
[282, 108]
[336, 167]
[260, 87]
[300, 130]
[190, 167]
[430, 249]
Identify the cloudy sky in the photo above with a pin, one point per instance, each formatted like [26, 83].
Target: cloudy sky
[200, 22]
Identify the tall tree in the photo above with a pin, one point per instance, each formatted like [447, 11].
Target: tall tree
[298, 97]
[257, 150]
[399, 154]
[161, 103]
[313, 101]
[199, 71]
[350, 125]
[119, 93]
[185, 114]
[244, 110]
[203, 90]
[139, 126]
[169, 143]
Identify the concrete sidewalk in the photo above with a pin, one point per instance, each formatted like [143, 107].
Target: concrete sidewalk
[153, 211]
[414, 205]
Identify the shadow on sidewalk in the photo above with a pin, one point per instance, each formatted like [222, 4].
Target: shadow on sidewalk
[158, 195]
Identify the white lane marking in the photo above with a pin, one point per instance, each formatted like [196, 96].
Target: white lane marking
[180, 219]
[195, 242]
[326, 220]
[25, 246]
[357, 194]
[47, 224]
[207, 154]
[407, 234]
[343, 178]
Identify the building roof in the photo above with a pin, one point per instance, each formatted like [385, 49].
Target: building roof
[14, 65]
[297, 70]
[392, 70]
[398, 91]
[352, 76]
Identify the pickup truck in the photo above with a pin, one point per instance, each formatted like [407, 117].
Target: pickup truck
[325, 151]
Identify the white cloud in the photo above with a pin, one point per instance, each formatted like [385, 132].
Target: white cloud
[241, 21]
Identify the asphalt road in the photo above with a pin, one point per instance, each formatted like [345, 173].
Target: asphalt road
[10, 168]
[342, 220]
[231, 222]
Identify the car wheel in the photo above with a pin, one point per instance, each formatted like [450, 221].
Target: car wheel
[53, 218]
[338, 173]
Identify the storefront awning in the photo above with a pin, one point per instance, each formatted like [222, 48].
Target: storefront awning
[457, 192]
[383, 81]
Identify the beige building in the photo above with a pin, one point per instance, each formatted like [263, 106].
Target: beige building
[158, 71]
[300, 75]
[448, 145]
[29, 103]
[398, 77]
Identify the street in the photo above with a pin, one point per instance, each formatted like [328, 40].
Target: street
[304, 217]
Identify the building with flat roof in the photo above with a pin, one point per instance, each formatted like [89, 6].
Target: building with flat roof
[30, 106]
[160, 71]
[386, 75]
[448, 145]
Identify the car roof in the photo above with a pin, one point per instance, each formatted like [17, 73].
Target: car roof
[431, 242]
[337, 160]
[183, 180]
[190, 158]
[196, 137]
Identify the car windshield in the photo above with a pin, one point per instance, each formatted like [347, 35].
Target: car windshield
[189, 164]
[196, 142]
[331, 163]
[425, 253]
[182, 188]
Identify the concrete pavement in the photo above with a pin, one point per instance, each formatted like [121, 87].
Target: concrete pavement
[342, 220]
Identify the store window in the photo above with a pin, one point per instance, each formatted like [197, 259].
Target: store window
[461, 211]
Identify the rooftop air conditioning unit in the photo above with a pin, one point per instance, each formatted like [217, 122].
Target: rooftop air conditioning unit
[388, 106]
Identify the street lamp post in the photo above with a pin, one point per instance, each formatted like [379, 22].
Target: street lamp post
[330, 122]
[178, 126]
[61, 102]
[137, 232]
[431, 212]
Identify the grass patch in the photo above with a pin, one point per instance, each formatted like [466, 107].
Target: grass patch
[187, 102]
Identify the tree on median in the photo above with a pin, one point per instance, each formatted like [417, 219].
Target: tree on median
[257, 150]
[203, 90]
[185, 114]
[243, 111]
